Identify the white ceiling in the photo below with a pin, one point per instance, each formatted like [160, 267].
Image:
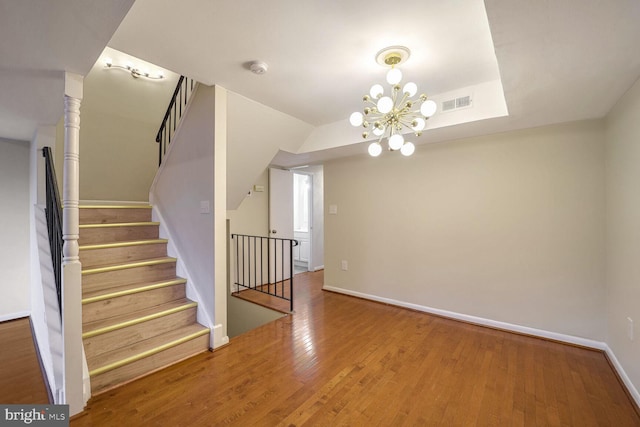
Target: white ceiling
[320, 56]
[558, 60]
[39, 41]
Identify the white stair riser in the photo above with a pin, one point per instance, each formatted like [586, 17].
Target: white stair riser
[131, 371]
[129, 335]
[105, 256]
[127, 303]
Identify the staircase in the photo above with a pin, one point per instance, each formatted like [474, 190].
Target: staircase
[136, 318]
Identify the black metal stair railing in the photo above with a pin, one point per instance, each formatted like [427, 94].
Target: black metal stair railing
[177, 106]
[265, 264]
[53, 213]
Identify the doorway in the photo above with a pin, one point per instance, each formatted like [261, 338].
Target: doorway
[296, 210]
[302, 220]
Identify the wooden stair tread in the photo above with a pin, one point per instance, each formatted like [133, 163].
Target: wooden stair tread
[119, 357]
[127, 265]
[92, 296]
[118, 224]
[127, 318]
[122, 244]
[136, 316]
[140, 206]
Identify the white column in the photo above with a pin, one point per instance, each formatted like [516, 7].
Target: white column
[71, 268]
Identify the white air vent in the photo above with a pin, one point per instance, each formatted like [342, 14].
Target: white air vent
[457, 103]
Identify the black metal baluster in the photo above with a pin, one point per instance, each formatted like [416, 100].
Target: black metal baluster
[291, 245]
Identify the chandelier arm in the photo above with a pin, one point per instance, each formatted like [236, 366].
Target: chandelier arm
[369, 101]
[394, 95]
[406, 125]
[404, 98]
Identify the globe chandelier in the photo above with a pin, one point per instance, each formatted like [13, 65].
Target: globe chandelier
[389, 116]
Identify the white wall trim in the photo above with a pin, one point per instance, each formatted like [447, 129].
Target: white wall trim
[181, 271]
[318, 268]
[14, 316]
[569, 339]
[622, 374]
[219, 339]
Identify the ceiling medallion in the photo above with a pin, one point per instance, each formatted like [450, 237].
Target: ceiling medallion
[387, 116]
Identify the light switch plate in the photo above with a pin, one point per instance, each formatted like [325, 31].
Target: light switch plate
[333, 209]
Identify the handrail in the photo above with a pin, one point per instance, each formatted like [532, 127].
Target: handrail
[179, 100]
[265, 264]
[53, 212]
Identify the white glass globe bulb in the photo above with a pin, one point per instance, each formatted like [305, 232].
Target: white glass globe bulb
[394, 76]
[356, 119]
[376, 91]
[396, 141]
[428, 108]
[410, 89]
[407, 149]
[378, 131]
[375, 149]
[385, 104]
[420, 124]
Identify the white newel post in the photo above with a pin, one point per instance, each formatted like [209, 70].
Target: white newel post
[71, 268]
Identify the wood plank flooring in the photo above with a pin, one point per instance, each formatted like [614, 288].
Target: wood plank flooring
[344, 361]
[21, 379]
[265, 296]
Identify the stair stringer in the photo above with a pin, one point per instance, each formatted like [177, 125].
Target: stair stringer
[202, 316]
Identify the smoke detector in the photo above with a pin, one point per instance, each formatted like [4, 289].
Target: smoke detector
[258, 67]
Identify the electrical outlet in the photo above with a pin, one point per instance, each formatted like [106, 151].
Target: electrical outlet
[344, 265]
[205, 207]
[630, 328]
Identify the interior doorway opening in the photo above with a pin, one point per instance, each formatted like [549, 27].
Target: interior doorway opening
[296, 211]
[302, 221]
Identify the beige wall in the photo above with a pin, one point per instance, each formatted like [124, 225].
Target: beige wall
[507, 227]
[14, 229]
[119, 118]
[251, 218]
[623, 228]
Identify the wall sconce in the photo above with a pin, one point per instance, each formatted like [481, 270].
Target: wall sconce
[135, 72]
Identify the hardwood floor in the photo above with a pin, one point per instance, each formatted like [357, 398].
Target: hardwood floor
[269, 299]
[344, 361]
[19, 365]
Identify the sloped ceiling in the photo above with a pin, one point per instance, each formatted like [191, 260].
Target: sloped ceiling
[39, 41]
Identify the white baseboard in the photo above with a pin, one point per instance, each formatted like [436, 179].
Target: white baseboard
[218, 338]
[623, 375]
[14, 316]
[570, 339]
[318, 268]
[477, 320]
